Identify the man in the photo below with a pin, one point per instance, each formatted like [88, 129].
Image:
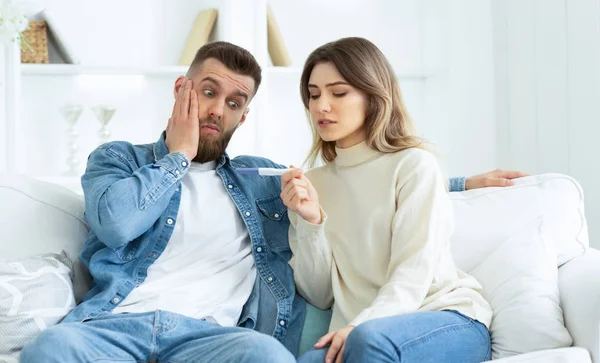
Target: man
[189, 258]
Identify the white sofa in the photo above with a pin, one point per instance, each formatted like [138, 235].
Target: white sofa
[486, 217]
[37, 217]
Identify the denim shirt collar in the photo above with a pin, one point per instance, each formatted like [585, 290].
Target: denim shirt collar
[161, 149]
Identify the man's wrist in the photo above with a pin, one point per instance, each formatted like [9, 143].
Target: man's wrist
[185, 154]
[176, 163]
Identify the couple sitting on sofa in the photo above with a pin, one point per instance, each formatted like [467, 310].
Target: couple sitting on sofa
[193, 261]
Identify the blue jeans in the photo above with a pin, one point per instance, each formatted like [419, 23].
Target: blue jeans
[424, 337]
[152, 337]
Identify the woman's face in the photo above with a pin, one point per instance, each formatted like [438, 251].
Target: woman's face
[336, 108]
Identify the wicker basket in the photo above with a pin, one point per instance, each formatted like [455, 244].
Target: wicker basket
[37, 36]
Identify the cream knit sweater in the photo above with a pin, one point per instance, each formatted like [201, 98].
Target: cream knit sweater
[383, 246]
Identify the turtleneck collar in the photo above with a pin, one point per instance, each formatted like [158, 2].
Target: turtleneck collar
[354, 155]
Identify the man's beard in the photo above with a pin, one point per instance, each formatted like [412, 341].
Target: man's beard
[211, 147]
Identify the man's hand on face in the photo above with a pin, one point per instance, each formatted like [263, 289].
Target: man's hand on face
[183, 129]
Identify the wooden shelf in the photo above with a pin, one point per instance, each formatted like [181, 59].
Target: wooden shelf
[76, 69]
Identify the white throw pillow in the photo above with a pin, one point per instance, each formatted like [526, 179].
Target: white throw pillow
[520, 281]
[35, 293]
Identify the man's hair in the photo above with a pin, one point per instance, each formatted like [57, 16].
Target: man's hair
[232, 56]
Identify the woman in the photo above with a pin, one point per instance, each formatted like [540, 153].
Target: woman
[370, 229]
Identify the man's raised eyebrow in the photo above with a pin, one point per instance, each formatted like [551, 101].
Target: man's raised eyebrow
[242, 94]
[238, 93]
[211, 79]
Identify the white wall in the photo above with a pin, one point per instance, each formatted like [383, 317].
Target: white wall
[547, 76]
[458, 113]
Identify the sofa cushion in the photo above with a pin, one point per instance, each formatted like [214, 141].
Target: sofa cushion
[35, 293]
[520, 281]
[316, 324]
[486, 217]
[38, 217]
[563, 355]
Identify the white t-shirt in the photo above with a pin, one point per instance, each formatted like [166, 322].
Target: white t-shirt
[207, 269]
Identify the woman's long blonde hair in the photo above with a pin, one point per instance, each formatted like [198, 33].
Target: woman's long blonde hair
[388, 124]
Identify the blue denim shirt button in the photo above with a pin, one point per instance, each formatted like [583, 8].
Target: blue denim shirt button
[116, 300]
[259, 249]
[248, 214]
[169, 221]
[282, 322]
[270, 278]
[230, 186]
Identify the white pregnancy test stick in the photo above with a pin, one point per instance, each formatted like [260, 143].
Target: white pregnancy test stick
[262, 171]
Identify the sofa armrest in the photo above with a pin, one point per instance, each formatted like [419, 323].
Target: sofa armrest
[579, 284]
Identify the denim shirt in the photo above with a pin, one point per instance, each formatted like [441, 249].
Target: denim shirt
[132, 195]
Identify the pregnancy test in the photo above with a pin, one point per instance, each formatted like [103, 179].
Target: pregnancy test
[262, 171]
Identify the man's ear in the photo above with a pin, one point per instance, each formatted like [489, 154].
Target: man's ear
[178, 84]
[244, 115]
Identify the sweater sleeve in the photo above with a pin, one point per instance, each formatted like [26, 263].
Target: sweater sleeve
[422, 226]
[311, 260]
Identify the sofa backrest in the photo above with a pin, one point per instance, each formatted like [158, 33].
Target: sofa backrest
[486, 217]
